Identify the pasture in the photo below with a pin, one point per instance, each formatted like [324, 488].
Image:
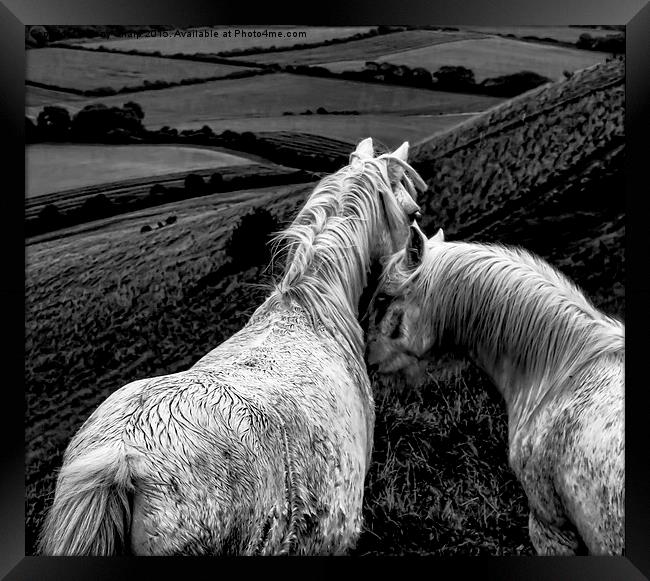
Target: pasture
[36, 98]
[84, 70]
[391, 130]
[488, 57]
[277, 36]
[56, 167]
[560, 33]
[258, 102]
[366, 48]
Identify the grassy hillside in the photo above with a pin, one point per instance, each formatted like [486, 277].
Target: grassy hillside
[37, 97]
[108, 304]
[83, 70]
[56, 167]
[489, 57]
[251, 98]
[544, 170]
[560, 33]
[366, 49]
[392, 130]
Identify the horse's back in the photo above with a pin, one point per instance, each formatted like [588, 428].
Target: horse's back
[234, 457]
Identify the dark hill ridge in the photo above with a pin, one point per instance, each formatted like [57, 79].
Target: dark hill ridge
[545, 171]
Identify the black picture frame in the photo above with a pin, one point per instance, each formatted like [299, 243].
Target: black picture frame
[15, 14]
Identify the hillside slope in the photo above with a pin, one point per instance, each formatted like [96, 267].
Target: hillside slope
[545, 171]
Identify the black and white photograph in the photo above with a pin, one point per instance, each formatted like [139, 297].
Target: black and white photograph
[325, 290]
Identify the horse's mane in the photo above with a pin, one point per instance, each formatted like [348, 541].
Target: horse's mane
[500, 300]
[328, 245]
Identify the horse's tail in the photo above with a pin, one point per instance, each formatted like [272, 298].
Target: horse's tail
[91, 512]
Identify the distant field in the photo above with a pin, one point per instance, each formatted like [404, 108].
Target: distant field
[37, 98]
[82, 69]
[392, 130]
[489, 57]
[256, 99]
[561, 33]
[365, 49]
[175, 44]
[52, 168]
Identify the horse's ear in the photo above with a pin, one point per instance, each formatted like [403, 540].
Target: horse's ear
[402, 152]
[396, 169]
[364, 149]
[438, 237]
[415, 247]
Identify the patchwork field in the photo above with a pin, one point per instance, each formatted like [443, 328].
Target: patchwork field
[489, 57]
[83, 70]
[179, 42]
[52, 168]
[36, 98]
[366, 49]
[561, 33]
[261, 100]
[391, 130]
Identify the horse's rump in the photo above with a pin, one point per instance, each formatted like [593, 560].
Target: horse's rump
[91, 512]
[216, 461]
[570, 458]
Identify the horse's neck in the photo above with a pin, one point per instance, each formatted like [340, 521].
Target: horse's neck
[343, 281]
[523, 367]
[329, 284]
[523, 393]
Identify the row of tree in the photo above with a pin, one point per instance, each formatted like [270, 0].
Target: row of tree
[148, 85]
[100, 206]
[446, 78]
[614, 43]
[96, 122]
[99, 123]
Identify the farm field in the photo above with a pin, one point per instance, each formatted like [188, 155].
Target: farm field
[244, 200]
[138, 189]
[84, 70]
[391, 130]
[257, 99]
[365, 49]
[190, 45]
[56, 167]
[561, 33]
[489, 57]
[36, 98]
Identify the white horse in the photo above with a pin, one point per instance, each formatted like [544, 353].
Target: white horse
[556, 359]
[262, 446]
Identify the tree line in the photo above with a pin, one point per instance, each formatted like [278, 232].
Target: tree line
[457, 79]
[99, 123]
